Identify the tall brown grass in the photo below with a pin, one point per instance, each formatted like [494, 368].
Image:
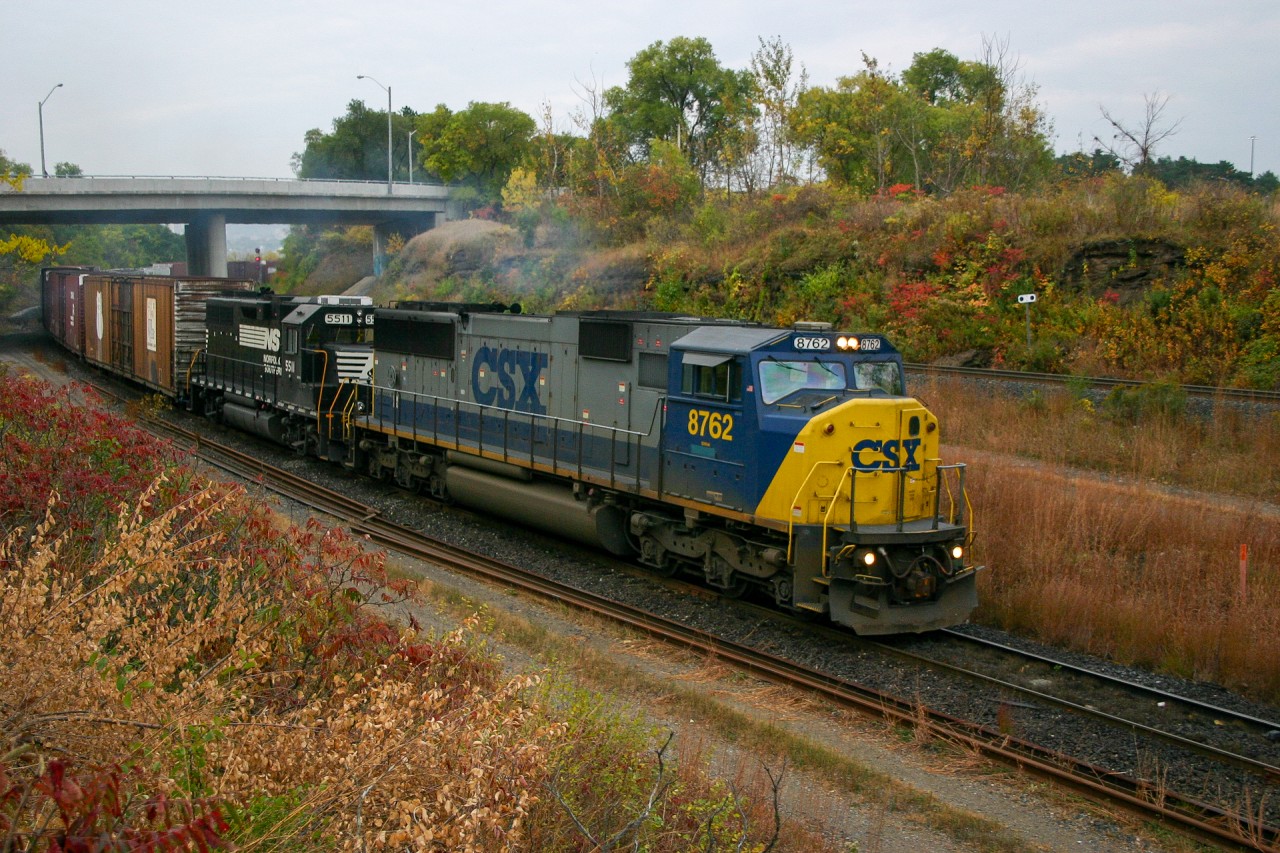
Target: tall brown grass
[1123, 538]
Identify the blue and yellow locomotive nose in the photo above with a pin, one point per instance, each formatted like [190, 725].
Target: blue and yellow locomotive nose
[870, 461]
[874, 519]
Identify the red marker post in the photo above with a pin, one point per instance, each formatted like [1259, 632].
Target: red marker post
[1244, 573]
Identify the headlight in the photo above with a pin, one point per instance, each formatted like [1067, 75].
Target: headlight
[957, 552]
[847, 342]
[869, 558]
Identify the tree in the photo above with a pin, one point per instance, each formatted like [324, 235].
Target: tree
[356, 150]
[1135, 145]
[943, 124]
[23, 249]
[775, 92]
[939, 77]
[851, 127]
[479, 146]
[1081, 165]
[678, 92]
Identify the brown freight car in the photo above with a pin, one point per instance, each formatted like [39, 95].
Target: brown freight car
[149, 328]
[62, 305]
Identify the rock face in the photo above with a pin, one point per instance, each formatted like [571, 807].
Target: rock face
[1125, 267]
[493, 256]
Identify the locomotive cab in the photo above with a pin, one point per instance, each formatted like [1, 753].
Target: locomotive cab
[812, 434]
[291, 369]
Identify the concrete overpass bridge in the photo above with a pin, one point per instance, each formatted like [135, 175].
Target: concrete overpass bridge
[205, 206]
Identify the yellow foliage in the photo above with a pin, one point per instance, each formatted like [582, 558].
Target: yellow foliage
[29, 249]
[521, 192]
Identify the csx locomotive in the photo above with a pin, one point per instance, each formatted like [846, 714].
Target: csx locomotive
[785, 460]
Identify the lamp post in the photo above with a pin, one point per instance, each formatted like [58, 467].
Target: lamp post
[388, 89]
[1252, 139]
[411, 133]
[40, 110]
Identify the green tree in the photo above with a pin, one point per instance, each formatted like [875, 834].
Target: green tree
[943, 125]
[1080, 165]
[478, 147]
[678, 92]
[851, 127]
[356, 150]
[775, 92]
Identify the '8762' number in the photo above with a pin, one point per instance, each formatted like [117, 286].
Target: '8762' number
[717, 425]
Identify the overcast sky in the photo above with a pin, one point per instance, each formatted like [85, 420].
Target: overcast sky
[229, 87]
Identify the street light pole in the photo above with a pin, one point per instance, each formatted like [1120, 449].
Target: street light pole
[1252, 139]
[40, 110]
[411, 133]
[388, 88]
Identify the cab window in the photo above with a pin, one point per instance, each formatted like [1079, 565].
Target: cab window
[719, 381]
[780, 378]
[884, 375]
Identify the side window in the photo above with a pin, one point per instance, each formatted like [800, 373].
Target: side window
[291, 340]
[883, 375]
[721, 381]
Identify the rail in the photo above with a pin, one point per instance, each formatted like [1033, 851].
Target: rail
[1101, 382]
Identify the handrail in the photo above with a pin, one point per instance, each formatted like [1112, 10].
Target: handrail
[191, 368]
[324, 375]
[851, 474]
[353, 400]
[556, 425]
[791, 516]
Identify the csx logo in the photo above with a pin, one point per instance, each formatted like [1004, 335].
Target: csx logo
[508, 379]
[893, 454]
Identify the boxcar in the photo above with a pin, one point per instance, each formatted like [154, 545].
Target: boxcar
[149, 328]
[62, 305]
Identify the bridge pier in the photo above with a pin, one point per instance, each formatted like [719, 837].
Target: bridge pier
[207, 245]
[406, 227]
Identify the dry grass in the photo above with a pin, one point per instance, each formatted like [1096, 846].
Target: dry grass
[1124, 564]
[1229, 454]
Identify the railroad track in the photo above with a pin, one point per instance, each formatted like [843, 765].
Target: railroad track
[1199, 818]
[1202, 392]
[1138, 707]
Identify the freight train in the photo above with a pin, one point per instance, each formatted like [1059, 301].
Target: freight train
[785, 461]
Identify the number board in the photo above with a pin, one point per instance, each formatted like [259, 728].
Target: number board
[811, 343]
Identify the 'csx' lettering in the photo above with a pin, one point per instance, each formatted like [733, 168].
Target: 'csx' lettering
[889, 450]
[494, 383]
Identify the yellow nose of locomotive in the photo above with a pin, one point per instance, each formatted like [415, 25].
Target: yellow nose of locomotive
[878, 455]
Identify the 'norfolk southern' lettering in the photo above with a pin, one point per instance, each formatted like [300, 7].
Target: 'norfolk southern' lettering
[508, 379]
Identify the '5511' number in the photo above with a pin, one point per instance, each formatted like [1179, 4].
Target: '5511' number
[715, 425]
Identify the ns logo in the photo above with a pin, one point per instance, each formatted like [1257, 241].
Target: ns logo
[508, 379]
[260, 337]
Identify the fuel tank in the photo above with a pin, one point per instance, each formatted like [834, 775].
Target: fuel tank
[544, 506]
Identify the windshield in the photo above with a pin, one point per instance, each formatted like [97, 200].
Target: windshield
[780, 378]
[878, 374]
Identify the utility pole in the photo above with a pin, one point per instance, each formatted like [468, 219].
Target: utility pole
[40, 110]
[388, 88]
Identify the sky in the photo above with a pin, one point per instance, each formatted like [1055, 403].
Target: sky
[230, 87]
